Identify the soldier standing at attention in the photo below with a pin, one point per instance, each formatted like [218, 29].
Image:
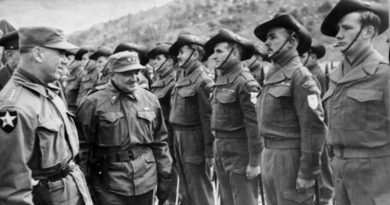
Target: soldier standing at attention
[123, 138]
[290, 115]
[310, 60]
[101, 57]
[38, 138]
[11, 45]
[357, 104]
[164, 65]
[190, 118]
[233, 120]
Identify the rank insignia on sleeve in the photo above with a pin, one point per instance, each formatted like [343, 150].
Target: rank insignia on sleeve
[8, 120]
[313, 101]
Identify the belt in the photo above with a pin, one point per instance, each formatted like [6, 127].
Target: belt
[54, 173]
[281, 144]
[185, 127]
[360, 152]
[122, 156]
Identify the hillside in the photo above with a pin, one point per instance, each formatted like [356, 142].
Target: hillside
[205, 17]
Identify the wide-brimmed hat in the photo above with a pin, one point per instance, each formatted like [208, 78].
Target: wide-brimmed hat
[329, 26]
[318, 49]
[289, 22]
[184, 39]
[10, 41]
[225, 35]
[160, 48]
[102, 51]
[30, 37]
[140, 49]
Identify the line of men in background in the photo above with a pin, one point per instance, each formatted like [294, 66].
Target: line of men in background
[142, 134]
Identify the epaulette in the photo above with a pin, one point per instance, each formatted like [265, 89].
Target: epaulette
[95, 89]
[12, 94]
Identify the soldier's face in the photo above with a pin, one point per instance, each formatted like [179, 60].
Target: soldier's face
[221, 53]
[349, 27]
[183, 55]
[275, 39]
[126, 81]
[101, 62]
[158, 62]
[53, 64]
[84, 60]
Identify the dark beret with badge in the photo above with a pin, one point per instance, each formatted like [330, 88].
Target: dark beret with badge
[225, 35]
[10, 41]
[329, 26]
[140, 49]
[102, 51]
[286, 21]
[124, 61]
[30, 37]
[318, 49]
[160, 48]
[182, 40]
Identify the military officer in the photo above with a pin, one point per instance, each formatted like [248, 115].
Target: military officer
[237, 144]
[143, 78]
[310, 60]
[101, 57]
[10, 45]
[290, 115]
[73, 82]
[190, 116]
[357, 104]
[123, 138]
[164, 65]
[38, 137]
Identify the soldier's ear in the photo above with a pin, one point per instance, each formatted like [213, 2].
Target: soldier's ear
[37, 53]
[369, 31]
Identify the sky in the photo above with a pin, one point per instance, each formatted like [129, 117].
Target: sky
[70, 15]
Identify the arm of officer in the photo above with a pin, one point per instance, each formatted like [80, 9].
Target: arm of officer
[17, 135]
[85, 123]
[247, 90]
[203, 94]
[312, 126]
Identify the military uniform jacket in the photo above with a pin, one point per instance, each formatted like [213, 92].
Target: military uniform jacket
[37, 133]
[289, 108]
[358, 106]
[190, 104]
[115, 121]
[162, 88]
[234, 117]
[257, 71]
[88, 83]
[73, 85]
[320, 75]
[5, 75]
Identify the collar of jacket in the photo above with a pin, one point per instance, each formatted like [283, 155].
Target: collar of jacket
[191, 77]
[191, 67]
[162, 82]
[367, 66]
[30, 82]
[229, 75]
[116, 93]
[286, 72]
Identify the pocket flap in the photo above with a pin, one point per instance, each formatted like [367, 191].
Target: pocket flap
[293, 195]
[279, 91]
[148, 115]
[225, 97]
[365, 95]
[53, 126]
[186, 92]
[111, 116]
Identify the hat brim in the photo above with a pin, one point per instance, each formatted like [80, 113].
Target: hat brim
[285, 21]
[129, 68]
[62, 45]
[319, 51]
[329, 26]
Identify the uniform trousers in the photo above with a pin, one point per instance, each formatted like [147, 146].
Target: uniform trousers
[279, 171]
[362, 181]
[195, 186]
[105, 197]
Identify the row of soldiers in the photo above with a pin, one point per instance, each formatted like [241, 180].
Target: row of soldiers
[123, 137]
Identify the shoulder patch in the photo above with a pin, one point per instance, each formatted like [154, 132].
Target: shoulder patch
[8, 120]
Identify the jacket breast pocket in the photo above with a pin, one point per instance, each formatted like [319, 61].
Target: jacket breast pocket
[110, 130]
[51, 142]
[226, 107]
[145, 125]
[280, 104]
[363, 109]
[188, 100]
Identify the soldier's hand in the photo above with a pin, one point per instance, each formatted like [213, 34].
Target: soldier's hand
[252, 172]
[303, 184]
[164, 183]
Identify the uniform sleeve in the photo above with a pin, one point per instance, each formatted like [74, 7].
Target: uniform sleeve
[204, 91]
[16, 148]
[311, 122]
[160, 144]
[247, 104]
[86, 127]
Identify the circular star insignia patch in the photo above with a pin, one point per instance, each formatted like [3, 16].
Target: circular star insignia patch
[8, 120]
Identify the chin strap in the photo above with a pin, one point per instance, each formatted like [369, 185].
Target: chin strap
[284, 43]
[227, 57]
[354, 40]
[188, 59]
